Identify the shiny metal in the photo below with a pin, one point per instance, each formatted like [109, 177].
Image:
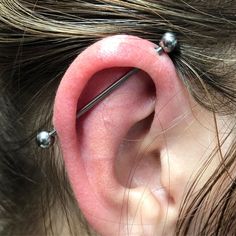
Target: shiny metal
[167, 44]
[106, 92]
[45, 139]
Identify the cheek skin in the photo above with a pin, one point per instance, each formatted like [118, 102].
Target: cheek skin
[188, 147]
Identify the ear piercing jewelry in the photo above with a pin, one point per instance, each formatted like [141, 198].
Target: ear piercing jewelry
[167, 44]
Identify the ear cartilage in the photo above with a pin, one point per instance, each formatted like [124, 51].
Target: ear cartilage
[168, 43]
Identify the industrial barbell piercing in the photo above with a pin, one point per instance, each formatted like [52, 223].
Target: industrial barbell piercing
[167, 44]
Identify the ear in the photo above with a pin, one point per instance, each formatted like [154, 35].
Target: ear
[117, 156]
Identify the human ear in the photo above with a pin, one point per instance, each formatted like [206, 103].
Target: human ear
[115, 155]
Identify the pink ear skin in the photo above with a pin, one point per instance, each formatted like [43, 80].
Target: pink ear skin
[90, 145]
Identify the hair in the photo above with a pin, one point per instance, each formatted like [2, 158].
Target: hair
[39, 40]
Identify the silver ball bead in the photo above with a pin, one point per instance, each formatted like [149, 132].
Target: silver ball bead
[44, 139]
[168, 42]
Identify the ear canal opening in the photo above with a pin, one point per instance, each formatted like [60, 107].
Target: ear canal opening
[136, 162]
[137, 132]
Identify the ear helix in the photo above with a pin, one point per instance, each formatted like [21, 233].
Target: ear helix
[167, 44]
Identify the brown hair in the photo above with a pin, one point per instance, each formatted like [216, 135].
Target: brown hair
[38, 41]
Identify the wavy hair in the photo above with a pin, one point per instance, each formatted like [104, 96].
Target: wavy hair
[39, 40]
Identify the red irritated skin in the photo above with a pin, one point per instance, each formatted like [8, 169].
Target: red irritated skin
[90, 145]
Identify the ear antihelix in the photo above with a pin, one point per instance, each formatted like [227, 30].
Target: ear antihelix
[167, 44]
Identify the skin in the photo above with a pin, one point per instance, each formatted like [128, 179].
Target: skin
[132, 158]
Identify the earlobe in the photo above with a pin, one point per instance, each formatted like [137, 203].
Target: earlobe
[97, 155]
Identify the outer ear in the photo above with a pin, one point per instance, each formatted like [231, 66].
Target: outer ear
[119, 192]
